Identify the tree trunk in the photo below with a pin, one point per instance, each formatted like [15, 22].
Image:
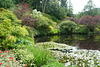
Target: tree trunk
[36, 6]
[44, 6]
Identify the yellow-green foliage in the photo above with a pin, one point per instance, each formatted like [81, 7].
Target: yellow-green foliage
[55, 31]
[9, 24]
[5, 27]
[20, 31]
[9, 40]
[81, 29]
[97, 29]
[6, 14]
[51, 27]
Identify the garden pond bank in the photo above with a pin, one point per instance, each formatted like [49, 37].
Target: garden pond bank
[78, 40]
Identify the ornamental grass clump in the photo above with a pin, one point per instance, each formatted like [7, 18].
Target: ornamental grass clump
[41, 55]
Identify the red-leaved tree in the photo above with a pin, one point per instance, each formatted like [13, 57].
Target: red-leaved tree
[23, 12]
[96, 19]
[90, 21]
[29, 21]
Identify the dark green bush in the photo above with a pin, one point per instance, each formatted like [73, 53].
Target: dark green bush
[6, 4]
[67, 26]
[43, 25]
[51, 17]
[81, 29]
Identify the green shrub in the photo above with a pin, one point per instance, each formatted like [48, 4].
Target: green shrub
[42, 25]
[81, 29]
[67, 26]
[30, 31]
[36, 32]
[54, 64]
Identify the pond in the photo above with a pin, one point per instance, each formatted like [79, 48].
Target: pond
[80, 41]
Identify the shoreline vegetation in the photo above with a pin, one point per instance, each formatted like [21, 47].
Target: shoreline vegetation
[21, 21]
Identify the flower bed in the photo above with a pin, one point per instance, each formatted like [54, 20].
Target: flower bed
[8, 59]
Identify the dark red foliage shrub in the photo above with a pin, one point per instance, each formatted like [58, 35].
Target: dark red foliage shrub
[87, 20]
[96, 19]
[28, 20]
[90, 21]
[23, 13]
[74, 20]
[22, 10]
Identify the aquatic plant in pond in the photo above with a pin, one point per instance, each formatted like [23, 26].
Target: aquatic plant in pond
[83, 58]
[79, 57]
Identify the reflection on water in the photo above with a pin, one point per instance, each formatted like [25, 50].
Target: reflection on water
[81, 41]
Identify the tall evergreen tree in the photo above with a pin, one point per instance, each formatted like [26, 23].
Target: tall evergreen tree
[70, 9]
[6, 4]
[64, 3]
[89, 8]
[54, 9]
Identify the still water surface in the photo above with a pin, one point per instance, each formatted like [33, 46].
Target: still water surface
[80, 41]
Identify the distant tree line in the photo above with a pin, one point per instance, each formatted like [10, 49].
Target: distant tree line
[58, 8]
